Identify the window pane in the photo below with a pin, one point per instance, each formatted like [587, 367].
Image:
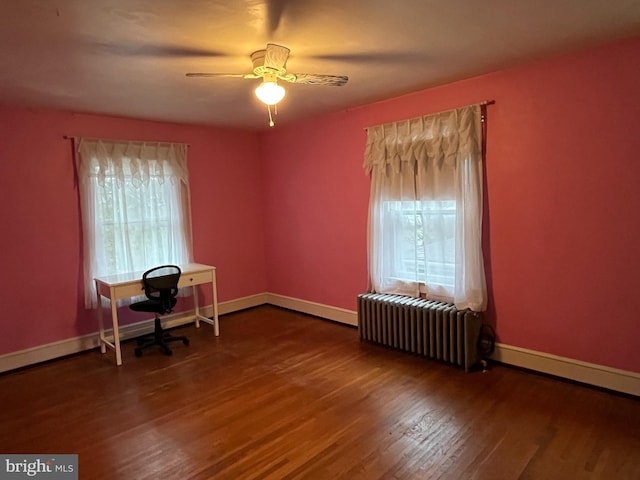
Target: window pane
[137, 225]
[423, 236]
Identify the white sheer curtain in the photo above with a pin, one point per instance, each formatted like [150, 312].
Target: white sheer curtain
[425, 211]
[134, 198]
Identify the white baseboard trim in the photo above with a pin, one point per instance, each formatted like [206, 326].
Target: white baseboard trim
[589, 373]
[43, 353]
[328, 312]
[238, 304]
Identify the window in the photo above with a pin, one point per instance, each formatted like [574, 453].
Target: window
[135, 207]
[423, 236]
[425, 209]
[135, 224]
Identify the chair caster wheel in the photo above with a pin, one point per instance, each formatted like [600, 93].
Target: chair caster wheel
[186, 341]
[138, 352]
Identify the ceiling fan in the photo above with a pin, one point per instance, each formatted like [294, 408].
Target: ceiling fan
[270, 65]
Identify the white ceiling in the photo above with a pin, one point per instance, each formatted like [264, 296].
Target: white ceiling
[129, 57]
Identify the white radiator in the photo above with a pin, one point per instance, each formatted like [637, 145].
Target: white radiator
[427, 328]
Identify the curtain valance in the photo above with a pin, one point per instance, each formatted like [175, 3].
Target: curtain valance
[103, 158]
[440, 137]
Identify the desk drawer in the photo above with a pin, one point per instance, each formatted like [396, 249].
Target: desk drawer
[195, 278]
[129, 290]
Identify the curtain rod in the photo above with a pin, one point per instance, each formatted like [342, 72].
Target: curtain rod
[482, 104]
[74, 137]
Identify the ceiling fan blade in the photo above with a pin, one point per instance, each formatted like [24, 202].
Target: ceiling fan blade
[375, 57]
[316, 79]
[159, 50]
[276, 56]
[275, 9]
[233, 75]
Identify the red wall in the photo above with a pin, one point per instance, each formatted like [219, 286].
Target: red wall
[561, 202]
[41, 293]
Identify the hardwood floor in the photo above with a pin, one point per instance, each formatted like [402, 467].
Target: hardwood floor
[281, 395]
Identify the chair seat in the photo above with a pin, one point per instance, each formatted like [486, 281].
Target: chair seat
[153, 306]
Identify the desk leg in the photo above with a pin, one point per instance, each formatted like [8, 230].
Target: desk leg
[116, 329]
[101, 339]
[196, 304]
[216, 325]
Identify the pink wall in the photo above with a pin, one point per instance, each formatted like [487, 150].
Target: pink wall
[41, 283]
[317, 197]
[562, 202]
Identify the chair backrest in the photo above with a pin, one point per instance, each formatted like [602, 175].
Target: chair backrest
[161, 284]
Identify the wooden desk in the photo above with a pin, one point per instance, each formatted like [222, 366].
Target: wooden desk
[127, 285]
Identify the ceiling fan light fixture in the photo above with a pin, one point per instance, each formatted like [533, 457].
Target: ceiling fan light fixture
[270, 93]
[269, 65]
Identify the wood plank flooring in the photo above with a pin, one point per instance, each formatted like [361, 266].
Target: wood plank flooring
[280, 395]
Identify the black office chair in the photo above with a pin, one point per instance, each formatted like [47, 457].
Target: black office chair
[161, 288]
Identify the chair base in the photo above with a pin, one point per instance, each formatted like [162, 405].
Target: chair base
[158, 338]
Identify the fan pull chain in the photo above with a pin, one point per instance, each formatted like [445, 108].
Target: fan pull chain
[275, 112]
[271, 124]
